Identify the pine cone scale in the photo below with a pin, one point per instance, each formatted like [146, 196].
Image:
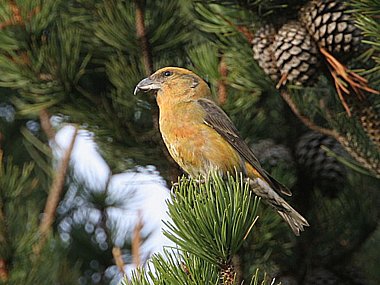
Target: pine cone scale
[331, 26]
[263, 51]
[296, 54]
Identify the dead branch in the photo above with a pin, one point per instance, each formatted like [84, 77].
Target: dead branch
[305, 120]
[222, 87]
[55, 194]
[118, 257]
[46, 125]
[136, 241]
[141, 35]
[346, 81]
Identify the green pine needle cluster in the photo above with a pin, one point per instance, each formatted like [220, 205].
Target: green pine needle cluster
[210, 221]
[366, 14]
[222, 214]
[18, 202]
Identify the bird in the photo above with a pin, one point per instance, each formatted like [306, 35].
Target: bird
[201, 137]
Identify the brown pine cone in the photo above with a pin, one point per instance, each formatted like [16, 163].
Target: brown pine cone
[262, 46]
[296, 55]
[331, 26]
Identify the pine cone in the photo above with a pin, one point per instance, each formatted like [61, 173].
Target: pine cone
[277, 159]
[368, 116]
[366, 158]
[331, 26]
[296, 55]
[262, 46]
[271, 154]
[227, 274]
[325, 170]
[370, 122]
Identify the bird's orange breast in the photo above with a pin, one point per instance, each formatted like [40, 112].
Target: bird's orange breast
[196, 147]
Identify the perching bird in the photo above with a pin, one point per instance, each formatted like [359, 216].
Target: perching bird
[201, 138]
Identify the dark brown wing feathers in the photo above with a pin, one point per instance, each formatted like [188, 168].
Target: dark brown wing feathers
[218, 120]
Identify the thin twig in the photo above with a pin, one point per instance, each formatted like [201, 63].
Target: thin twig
[136, 241]
[46, 125]
[343, 77]
[222, 87]
[55, 194]
[282, 81]
[250, 228]
[244, 30]
[4, 275]
[118, 257]
[3, 239]
[148, 65]
[16, 18]
[141, 35]
[305, 120]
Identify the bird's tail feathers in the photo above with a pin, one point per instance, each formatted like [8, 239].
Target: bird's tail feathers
[291, 216]
[294, 220]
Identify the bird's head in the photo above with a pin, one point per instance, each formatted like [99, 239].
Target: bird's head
[174, 82]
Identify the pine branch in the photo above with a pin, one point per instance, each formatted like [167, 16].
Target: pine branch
[346, 82]
[46, 124]
[220, 212]
[141, 35]
[347, 139]
[4, 275]
[3, 231]
[366, 13]
[17, 206]
[211, 219]
[16, 15]
[148, 64]
[366, 159]
[177, 267]
[368, 116]
[54, 195]
[306, 120]
[117, 256]
[222, 88]
[136, 241]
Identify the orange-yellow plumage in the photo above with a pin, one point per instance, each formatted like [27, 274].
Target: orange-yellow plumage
[191, 143]
[201, 138]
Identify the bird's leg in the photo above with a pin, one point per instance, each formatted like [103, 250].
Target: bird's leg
[200, 180]
[174, 185]
[253, 183]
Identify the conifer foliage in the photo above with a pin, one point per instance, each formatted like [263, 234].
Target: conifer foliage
[211, 221]
[278, 68]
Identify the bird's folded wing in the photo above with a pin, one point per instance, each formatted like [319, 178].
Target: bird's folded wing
[218, 120]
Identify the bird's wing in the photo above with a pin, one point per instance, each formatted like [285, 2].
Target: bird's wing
[218, 120]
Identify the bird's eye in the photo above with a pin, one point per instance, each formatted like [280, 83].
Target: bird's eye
[167, 73]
